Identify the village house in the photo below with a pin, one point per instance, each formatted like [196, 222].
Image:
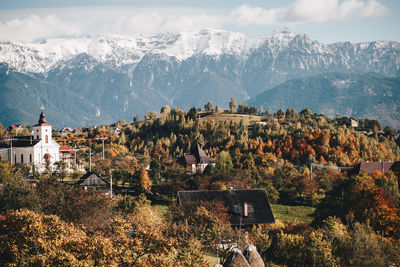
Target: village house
[372, 167]
[67, 154]
[91, 181]
[39, 151]
[197, 161]
[353, 123]
[66, 131]
[16, 129]
[246, 207]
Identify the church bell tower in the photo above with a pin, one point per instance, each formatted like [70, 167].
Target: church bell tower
[42, 130]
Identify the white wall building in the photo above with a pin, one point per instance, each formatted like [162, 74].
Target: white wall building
[38, 150]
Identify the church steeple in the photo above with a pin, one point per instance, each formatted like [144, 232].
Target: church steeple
[42, 130]
[42, 118]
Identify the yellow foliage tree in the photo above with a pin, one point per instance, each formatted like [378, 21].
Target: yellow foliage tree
[145, 181]
[30, 239]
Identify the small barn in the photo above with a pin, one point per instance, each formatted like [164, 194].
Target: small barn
[246, 207]
[91, 181]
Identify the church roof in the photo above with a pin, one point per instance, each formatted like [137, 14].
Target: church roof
[19, 141]
[42, 120]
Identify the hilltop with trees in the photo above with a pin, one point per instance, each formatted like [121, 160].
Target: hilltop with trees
[356, 216]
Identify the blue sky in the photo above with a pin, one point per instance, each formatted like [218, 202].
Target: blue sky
[327, 21]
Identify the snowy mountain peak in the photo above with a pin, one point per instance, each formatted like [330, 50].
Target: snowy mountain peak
[124, 50]
[118, 51]
[285, 31]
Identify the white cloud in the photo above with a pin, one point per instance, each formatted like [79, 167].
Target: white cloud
[35, 27]
[78, 22]
[152, 23]
[309, 12]
[33, 24]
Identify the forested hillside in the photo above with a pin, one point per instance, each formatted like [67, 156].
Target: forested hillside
[354, 214]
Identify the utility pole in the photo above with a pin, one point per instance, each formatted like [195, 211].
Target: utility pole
[90, 159]
[11, 148]
[102, 153]
[102, 141]
[111, 193]
[75, 156]
[11, 154]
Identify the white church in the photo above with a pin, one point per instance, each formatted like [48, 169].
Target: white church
[38, 150]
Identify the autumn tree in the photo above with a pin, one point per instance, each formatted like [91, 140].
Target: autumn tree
[155, 168]
[90, 209]
[208, 107]
[224, 162]
[217, 108]
[141, 239]
[145, 181]
[208, 221]
[30, 239]
[165, 109]
[232, 105]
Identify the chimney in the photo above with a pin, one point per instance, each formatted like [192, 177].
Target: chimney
[245, 209]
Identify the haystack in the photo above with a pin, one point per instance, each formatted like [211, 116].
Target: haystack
[236, 259]
[252, 256]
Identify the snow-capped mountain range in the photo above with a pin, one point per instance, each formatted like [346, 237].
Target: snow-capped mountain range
[116, 77]
[117, 51]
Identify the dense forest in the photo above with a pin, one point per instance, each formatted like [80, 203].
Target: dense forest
[356, 219]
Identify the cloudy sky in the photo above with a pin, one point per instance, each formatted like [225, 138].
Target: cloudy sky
[324, 20]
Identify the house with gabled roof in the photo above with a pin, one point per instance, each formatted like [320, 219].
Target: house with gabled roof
[246, 207]
[91, 181]
[66, 130]
[196, 161]
[371, 167]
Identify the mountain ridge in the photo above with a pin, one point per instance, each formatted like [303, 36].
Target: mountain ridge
[367, 95]
[125, 76]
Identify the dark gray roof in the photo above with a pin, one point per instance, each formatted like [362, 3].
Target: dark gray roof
[234, 200]
[92, 179]
[21, 141]
[197, 156]
[190, 159]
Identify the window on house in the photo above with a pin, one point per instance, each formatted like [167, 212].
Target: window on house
[22, 158]
[30, 158]
[15, 158]
[47, 139]
[239, 208]
[250, 208]
[236, 209]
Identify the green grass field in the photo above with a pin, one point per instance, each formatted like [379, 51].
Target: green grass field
[283, 213]
[162, 209]
[292, 213]
[247, 119]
